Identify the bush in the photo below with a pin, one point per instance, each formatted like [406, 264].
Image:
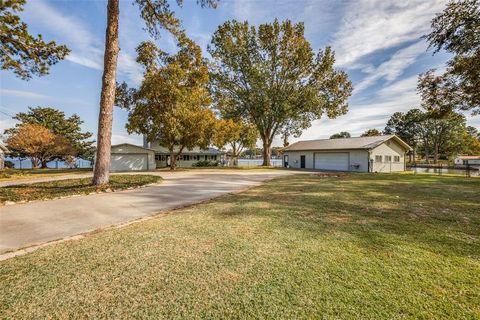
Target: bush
[206, 163]
[8, 164]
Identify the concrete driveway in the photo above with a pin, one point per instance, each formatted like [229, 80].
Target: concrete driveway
[32, 224]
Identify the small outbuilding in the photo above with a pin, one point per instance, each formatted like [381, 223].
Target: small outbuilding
[467, 160]
[129, 157]
[363, 154]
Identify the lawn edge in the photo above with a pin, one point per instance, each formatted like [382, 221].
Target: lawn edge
[33, 247]
[13, 203]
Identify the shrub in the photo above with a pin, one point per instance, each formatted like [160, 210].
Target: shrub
[206, 163]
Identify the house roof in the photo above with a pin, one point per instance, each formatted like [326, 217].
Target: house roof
[209, 151]
[468, 157]
[362, 143]
[132, 145]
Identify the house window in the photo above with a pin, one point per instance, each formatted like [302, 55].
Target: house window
[206, 158]
[214, 157]
[186, 157]
[378, 158]
[396, 158]
[388, 158]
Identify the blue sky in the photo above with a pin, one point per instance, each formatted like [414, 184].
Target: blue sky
[378, 43]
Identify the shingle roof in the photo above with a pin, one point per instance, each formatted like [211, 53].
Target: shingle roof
[344, 144]
[469, 157]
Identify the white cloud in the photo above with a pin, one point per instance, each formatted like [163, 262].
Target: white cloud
[394, 67]
[22, 94]
[118, 138]
[398, 96]
[86, 47]
[372, 25]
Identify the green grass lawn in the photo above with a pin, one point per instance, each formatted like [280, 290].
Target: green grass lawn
[16, 174]
[359, 246]
[62, 188]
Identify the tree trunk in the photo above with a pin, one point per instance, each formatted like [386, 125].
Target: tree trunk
[266, 152]
[101, 173]
[173, 161]
[435, 153]
[44, 164]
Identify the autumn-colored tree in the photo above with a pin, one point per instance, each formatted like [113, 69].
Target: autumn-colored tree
[56, 121]
[172, 104]
[270, 76]
[21, 52]
[38, 143]
[157, 15]
[371, 133]
[341, 135]
[236, 135]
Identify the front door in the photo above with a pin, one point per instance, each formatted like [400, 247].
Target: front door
[302, 162]
[285, 160]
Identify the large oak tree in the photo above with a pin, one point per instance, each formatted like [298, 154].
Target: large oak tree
[270, 76]
[172, 105]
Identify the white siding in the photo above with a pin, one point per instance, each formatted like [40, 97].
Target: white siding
[389, 148]
[127, 157]
[356, 157]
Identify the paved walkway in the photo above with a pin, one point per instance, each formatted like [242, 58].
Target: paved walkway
[35, 223]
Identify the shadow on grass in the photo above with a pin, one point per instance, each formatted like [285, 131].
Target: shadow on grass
[377, 212]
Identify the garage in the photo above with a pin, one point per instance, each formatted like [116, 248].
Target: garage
[129, 157]
[337, 161]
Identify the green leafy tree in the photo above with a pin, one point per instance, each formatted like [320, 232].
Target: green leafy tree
[21, 52]
[236, 134]
[172, 104]
[67, 127]
[441, 135]
[341, 135]
[270, 76]
[456, 30]
[371, 133]
[157, 15]
[407, 127]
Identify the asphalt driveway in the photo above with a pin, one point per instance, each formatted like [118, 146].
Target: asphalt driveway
[31, 224]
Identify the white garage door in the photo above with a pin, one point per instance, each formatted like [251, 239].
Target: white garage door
[331, 161]
[129, 162]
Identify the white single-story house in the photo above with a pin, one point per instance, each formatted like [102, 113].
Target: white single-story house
[129, 157]
[188, 158]
[363, 154]
[3, 152]
[464, 160]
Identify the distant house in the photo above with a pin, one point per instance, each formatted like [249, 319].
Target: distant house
[363, 154]
[129, 157]
[464, 160]
[3, 152]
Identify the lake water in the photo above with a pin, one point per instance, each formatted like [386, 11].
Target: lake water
[444, 171]
[258, 162]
